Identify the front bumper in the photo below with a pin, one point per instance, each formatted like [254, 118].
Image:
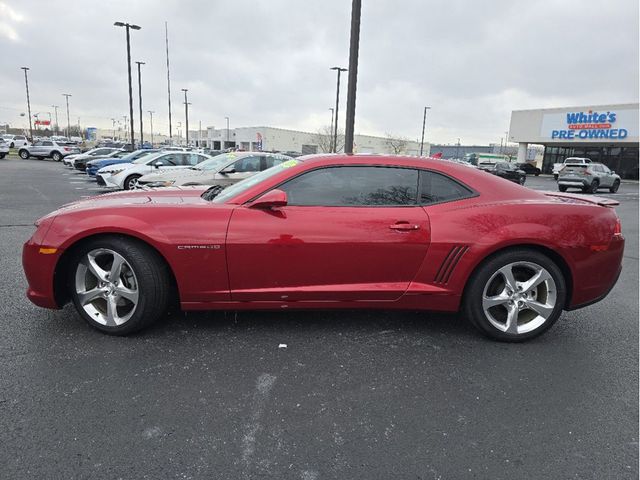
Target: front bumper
[106, 180]
[39, 269]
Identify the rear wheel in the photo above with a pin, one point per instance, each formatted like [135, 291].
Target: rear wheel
[131, 181]
[614, 188]
[593, 188]
[118, 285]
[555, 176]
[537, 173]
[56, 156]
[562, 188]
[515, 296]
[2, 155]
[24, 154]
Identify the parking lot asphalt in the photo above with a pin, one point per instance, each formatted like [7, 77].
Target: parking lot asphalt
[352, 395]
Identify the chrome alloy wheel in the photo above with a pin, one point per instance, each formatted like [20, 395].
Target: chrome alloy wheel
[107, 287]
[519, 297]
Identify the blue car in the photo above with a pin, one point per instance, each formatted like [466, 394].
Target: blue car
[94, 165]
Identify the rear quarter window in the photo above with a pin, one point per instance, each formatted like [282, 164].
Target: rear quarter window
[439, 188]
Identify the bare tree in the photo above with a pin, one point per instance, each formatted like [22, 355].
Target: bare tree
[395, 143]
[324, 139]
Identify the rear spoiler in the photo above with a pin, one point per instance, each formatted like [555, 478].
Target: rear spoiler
[602, 201]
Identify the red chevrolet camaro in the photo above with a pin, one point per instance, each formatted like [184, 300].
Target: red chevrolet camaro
[332, 231]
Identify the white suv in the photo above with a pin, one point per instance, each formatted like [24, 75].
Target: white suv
[16, 141]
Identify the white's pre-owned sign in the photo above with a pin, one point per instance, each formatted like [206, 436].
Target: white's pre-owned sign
[590, 125]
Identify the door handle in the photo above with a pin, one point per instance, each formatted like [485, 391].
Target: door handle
[404, 227]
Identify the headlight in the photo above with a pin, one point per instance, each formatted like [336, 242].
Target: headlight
[114, 172]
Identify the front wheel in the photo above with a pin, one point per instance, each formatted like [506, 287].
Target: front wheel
[56, 156]
[131, 181]
[614, 188]
[555, 176]
[515, 296]
[24, 154]
[118, 285]
[562, 188]
[2, 155]
[522, 180]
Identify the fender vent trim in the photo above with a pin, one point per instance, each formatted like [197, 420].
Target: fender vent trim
[449, 264]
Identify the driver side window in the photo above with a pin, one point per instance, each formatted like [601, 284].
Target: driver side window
[247, 164]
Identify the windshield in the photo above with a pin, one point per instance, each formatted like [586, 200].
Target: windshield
[242, 186]
[215, 163]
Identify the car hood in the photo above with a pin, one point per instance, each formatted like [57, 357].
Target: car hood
[138, 198]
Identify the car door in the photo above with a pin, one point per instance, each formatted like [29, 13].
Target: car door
[348, 233]
[607, 177]
[46, 148]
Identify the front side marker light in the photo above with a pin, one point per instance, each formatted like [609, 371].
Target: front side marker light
[47, 250]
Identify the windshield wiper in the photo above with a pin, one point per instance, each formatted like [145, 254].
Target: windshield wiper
[213, 192]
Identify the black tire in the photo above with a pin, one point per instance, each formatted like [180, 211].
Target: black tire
[151, 273]
[2, 155]
[472, 301]
[614, 188]
[130, 181]
[57, 156]
[555, 176]
[13, 145]
[537, 173]
[593, 188]
[562, 188]
[522, 180]
[24, 154]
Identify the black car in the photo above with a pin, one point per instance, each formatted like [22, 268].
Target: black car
[509, 171]
[529, 169]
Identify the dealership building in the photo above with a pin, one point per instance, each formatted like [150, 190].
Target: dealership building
[603, 133]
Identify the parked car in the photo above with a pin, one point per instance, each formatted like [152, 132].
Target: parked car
[340, 231]
[509, 171]
[126, 175]
[4, 148]
[89, 154]
[80, 162]
[16, 141]
[557, 167]
[588, 177]
[529, 168]
[225, 169]
[94, 165]
[48, 149]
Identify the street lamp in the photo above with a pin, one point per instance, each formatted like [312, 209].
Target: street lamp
[356, 8]
[113, 124]
[186, 114]
[335, 124]
[55, 107]
[140, 99]
[151, 124]
[331, 132]
[424, 122]
[67, 95]
[127, 27]
[26, 83]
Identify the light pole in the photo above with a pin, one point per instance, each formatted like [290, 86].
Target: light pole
[186, 114]
[227, 119]
[335, 123]
[127, 27]
[55, 107]
[140, 100]
[26, 83]
[506, 139]
[356, 8]
[457, 148]
[151, 124]
[113, 124]
[67, 95]
[424, 123]
[331, 132]
[166, 38]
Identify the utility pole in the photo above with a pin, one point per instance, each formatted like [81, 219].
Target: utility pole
[186, 114]
[458, 149]
[67, 95]
[335, 124]
[151, 124]
[356, 8]
[55, 107]
[26, 83]
[227, 118]
[113, 124]
[128, 26]
[140, 101]
[424, 122]
[166, 39]
[331, 134]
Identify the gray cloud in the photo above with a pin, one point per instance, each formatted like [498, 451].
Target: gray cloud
[267, 62]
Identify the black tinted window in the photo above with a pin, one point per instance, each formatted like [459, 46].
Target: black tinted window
[436, 188]
[354, 186]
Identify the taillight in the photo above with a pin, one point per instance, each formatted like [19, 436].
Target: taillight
[67, 149]
[617, 230]
[586, 172]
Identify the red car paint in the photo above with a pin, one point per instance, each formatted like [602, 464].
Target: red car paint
[231, 256]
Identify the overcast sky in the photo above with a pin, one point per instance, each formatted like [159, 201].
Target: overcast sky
[266, 62]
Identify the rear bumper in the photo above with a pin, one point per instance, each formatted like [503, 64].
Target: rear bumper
[573, 182]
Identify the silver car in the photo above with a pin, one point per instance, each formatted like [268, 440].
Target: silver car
[224, 169]
[588, 177]
[4, 148]
[48, 149]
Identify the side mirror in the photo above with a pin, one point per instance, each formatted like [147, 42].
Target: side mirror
[157, 164]
[227, 170]
[272, 199]
[613, 172]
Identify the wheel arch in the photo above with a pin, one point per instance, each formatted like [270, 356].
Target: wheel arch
[553, 255]
[61, 271]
